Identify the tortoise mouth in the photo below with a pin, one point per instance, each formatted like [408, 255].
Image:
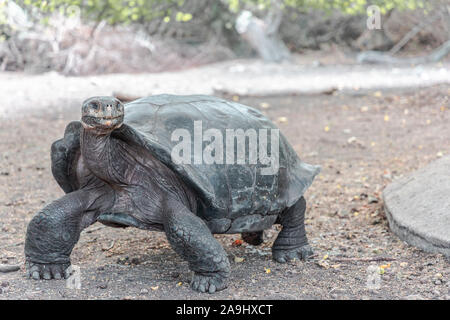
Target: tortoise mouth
[106, 123]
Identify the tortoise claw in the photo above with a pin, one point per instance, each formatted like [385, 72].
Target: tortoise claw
[210, 282]
[46, 271]
[283, 256]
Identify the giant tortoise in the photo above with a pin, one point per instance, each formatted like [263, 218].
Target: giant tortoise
[117, 167]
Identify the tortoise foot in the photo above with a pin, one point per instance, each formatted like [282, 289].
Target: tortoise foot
[283, 255]
[47, 271]
[209, 282]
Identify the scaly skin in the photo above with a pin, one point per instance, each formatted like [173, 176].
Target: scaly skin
[54, 231]
[291, 242]
[191, 238]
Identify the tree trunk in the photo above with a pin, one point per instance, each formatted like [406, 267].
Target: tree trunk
[262, 35]
[381, 57]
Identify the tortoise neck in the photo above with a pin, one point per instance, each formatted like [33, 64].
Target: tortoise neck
[96, 149]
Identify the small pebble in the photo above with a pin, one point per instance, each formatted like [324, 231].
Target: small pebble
[103, 286]
[372, 199]
[343, 213]
[144, 291]
[414, 297]
[4, 284]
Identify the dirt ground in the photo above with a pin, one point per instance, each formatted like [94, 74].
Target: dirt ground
[362, 139]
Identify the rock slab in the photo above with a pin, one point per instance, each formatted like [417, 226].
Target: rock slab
[418, 207]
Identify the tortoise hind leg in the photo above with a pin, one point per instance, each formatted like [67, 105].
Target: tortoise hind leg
[291, 242]
[63, 153]
[192, 239]
[253, 238]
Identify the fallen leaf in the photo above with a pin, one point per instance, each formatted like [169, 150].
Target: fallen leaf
[351, 140]
[237, 243]
[238, 259]
[264, 105]
[364, 109]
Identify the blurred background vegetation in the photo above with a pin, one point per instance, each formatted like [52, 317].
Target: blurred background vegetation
[103, 36]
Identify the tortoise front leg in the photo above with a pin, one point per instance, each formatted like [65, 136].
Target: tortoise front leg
[192, 239]
[63, 154]
[54, 231]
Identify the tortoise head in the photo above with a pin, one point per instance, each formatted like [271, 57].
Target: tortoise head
[102, 114]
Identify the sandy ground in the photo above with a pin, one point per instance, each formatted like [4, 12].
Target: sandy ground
[363, 139]
[243, 77]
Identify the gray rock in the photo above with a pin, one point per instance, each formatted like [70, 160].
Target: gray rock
[9, 268]
[418, 207]
[144, 291]
[372, 199]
